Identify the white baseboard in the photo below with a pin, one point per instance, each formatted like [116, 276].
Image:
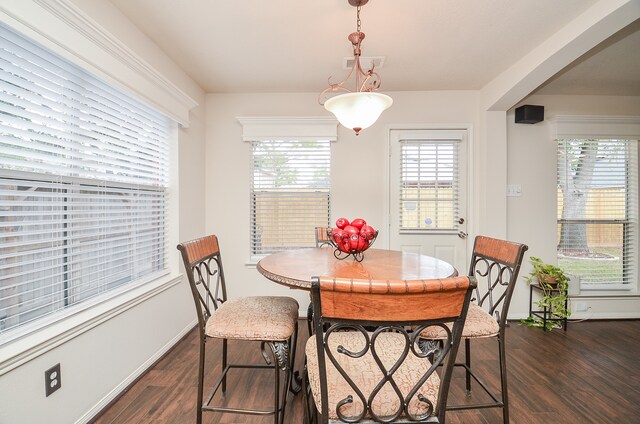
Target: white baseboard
[588, 315]
[113, 394]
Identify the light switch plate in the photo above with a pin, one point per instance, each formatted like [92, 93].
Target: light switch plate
[514, 190]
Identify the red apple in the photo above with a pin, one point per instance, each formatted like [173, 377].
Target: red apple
[365, 244]
[350, 229]
[337, 235]
[359, 223]
[344, 245]
[342, 222]
[367, 232]
[357, 243]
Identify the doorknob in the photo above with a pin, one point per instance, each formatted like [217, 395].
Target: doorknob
[461, 221]
[462, 234]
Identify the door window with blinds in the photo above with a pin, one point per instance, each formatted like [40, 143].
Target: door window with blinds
[290, 193]
[429, 189]
[598, 211]
[83, 186]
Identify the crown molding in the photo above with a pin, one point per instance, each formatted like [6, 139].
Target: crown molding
[83, 25]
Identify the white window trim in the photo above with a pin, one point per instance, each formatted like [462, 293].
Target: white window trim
[260, 128]
[264, 128]
[603, 127]
[64, 28]
[587, 126]
[71, 29]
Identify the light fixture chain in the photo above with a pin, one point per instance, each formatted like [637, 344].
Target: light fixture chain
[359, 108]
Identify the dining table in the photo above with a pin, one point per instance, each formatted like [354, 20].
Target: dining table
[295, 268]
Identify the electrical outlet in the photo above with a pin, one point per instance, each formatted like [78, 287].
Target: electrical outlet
[52, 379]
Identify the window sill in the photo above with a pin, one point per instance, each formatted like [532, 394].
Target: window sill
[21, 349]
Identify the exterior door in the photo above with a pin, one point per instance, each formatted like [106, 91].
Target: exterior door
[428, 194]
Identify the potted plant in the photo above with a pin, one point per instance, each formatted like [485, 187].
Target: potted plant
[554, 286]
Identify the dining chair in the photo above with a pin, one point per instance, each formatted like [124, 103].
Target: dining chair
[496, 265]
[322, 237]
[271, 320]
[388, 374]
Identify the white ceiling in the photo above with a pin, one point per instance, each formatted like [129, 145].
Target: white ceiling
[294, 46]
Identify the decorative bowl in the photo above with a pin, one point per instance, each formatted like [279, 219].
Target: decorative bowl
[351, 244]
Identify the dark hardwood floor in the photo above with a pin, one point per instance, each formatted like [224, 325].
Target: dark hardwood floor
[590, 374]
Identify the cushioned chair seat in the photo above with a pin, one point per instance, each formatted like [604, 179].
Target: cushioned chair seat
[254, 318]
[478, 324]
[367, 374]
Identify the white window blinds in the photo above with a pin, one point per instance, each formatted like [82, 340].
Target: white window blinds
[290, 193]
[83, 185]
[429, 185]
[598, 210]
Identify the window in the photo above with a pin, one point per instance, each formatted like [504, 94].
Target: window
[83, 186]
[427, 182]
[598, 211]
[429, 192]
[290, 180]
[290, 193]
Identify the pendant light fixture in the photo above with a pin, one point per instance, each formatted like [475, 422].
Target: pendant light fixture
[361, 108]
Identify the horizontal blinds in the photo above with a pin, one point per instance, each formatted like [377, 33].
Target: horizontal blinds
[290, 193]
[598, 209]
[61, 120]
[83, 185]
[429, 185]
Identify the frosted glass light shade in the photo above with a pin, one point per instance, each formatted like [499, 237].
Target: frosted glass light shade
[358, 110]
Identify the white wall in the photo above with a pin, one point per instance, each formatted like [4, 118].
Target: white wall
[532, 164]
[357, 173]
[98, 364]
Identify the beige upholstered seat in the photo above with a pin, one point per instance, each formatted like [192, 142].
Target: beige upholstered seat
[269, 319]
[478, 324]
[363, 361]
[254, 318]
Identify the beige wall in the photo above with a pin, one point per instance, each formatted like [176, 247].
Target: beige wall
[359, 175]
[358, 172]
[532, 164]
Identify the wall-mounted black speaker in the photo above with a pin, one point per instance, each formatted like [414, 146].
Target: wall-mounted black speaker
[529, 114]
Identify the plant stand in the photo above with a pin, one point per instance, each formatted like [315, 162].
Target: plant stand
[546, 314]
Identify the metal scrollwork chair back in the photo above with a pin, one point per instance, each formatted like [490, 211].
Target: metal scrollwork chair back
[496, 264]
[366, 362]
[272, 320]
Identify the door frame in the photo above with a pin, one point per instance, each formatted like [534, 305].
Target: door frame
[471, 188]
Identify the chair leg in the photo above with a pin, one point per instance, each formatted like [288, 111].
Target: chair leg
[305, 397]
[295, 382]
[288, 375]
[467, 360]
[277, 413]
[200, 382]
[224, 366]
[309, 405]
[503, 379]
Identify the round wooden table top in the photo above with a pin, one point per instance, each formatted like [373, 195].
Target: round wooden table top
[295, 268]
